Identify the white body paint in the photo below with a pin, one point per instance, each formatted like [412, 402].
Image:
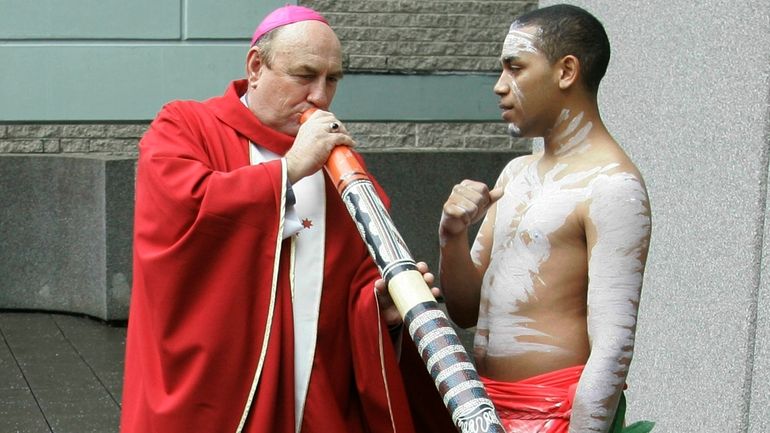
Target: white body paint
[575, 138]
[564, 115]
[618, 210]
[528, 213]
[573, 124]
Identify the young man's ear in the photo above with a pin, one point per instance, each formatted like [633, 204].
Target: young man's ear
[253, 66]
[569, 71]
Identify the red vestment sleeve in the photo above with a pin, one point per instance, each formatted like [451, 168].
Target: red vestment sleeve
[178, 160]
[205, 236]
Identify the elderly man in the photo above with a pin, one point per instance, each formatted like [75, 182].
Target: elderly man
[253, 307]
[553, 281]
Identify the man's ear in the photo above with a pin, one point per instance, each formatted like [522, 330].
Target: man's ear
[253, 66]
[569, 71]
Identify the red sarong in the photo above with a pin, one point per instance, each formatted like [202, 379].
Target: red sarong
[539, 404]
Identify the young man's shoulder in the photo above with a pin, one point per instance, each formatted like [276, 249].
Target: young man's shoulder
[609, 157]
[517, 164]
[617, 176]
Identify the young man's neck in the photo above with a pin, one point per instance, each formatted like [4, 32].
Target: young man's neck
[572, 131]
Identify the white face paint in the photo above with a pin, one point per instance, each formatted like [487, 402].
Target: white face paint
[514, 131]
[516, 43]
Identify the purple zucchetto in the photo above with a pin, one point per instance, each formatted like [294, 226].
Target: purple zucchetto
[282, 16]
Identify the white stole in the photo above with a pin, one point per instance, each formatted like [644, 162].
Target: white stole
[306, 221]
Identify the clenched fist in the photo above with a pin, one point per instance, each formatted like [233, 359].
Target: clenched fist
[466, 205]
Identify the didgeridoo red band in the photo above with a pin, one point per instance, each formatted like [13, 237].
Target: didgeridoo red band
[439, 346]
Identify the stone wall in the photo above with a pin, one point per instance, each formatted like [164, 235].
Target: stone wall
[102, 138]
[122, 139]
[421, 36]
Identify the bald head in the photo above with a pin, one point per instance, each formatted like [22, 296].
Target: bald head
[295, 36]
[291, 69]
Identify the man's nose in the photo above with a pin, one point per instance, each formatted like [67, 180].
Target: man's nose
[319, 94]
[502, 87]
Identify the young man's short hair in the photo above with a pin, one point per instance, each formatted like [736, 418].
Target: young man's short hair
[567, 29]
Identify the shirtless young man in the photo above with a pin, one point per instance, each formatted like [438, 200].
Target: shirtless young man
[553, 280]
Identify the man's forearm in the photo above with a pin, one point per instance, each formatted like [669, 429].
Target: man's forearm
[597, 396]
[460, 280]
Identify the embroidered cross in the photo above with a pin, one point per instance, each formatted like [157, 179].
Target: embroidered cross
[307, 223]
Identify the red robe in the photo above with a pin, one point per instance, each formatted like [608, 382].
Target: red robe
[206, 252]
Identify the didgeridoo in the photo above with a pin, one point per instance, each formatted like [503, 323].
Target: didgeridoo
[437, 342]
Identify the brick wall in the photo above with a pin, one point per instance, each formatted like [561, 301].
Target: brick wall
[420, 36]
[112, 138]
[391, 36]
[122, 139]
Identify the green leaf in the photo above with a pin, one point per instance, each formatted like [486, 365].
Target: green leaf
[639, 427]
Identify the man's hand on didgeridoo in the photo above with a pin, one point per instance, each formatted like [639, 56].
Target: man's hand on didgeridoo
[388, 309]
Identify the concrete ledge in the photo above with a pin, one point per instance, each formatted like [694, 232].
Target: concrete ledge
[65, 233]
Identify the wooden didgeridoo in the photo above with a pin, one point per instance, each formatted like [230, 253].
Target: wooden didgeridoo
[437, 342]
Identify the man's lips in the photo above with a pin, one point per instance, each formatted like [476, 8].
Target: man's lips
[505, 110]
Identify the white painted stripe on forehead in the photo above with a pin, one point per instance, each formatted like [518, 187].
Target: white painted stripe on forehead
[517, 42]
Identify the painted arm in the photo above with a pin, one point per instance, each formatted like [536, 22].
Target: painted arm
[461, 269]
[617, 234]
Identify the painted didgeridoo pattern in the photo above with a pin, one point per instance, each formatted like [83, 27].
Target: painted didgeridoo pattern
[437, 342]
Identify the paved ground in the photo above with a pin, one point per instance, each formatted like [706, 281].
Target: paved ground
[62, 373]
[59, 374]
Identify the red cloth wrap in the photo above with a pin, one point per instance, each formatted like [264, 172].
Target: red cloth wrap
[541, 404]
